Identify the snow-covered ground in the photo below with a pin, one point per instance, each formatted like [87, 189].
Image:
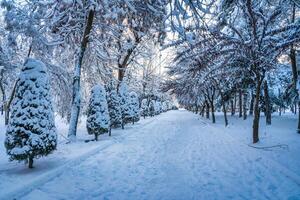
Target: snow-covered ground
[176, 155]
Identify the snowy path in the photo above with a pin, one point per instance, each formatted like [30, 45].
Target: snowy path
[176, 156]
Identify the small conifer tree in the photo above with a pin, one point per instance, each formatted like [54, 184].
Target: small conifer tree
[134, 107]
[144, 108]
[97, 114]
[124, 103]
[115, 114]
[31, 131]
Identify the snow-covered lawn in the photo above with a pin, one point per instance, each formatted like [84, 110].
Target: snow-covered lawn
[176, 155]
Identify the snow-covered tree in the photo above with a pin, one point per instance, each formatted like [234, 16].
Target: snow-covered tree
[144, 108]
[97, 114]
[124, 103]
[31, 131]
[134, 107]
[114, 108]
[157, 107]
[152, 108]
[164, 106]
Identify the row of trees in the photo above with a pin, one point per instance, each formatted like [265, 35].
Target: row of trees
[81, 43]
[247, 53]
[108, 109]
[31, 131]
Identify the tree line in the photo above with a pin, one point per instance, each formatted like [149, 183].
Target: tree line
[31, 131]
[238, 51]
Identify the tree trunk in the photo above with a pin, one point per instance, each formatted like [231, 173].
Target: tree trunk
[207, 110]
[3, 93]
[75, 109]
[293, 51]
[256, 112]
[6, 116]
[240, 103]
[251, 103]
[298, 117]
[30, 162]
[212, 112]
[294, 64]
[109, 133]
[245, 97]
[267, 104]
[280, 111]
[202, 111]
[234, 103]
[292, 109]
[232, 107]
[7, 105]
[122, 65]
[121, 72]
[225, 112]
[3, 103]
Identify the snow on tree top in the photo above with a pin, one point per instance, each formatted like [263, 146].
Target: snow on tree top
[98, 90]
[34, 65]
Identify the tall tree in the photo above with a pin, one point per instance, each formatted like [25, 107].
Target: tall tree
[75, 109]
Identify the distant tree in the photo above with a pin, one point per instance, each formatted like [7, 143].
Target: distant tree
[134, 107]
[124, 103]
[97, 115]
[144, 108]
[114, 108]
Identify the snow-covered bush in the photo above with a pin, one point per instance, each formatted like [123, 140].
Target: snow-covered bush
[31, 131]
[144, 108]
[97, 114]
[134, 107]
[115, 114]
[124, 103]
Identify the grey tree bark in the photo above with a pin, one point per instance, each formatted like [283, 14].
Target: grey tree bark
[75, 109]
[245, 100]
[267, 104]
